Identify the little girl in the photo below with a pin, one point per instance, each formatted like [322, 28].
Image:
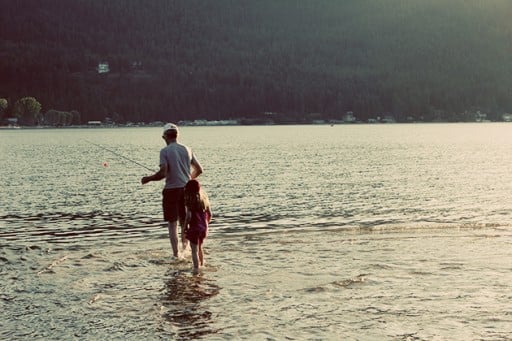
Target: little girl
[198, 216]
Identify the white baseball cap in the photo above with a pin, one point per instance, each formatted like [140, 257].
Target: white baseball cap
[170, 126]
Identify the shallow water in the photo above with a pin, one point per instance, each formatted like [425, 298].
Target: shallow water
[320, 232]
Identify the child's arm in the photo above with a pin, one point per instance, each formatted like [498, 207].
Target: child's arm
[185, 227]
[188, 216]
[209, 213]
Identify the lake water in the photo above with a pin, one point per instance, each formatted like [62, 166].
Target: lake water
[362, 232]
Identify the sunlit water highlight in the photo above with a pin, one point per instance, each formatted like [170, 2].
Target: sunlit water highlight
[320, 232]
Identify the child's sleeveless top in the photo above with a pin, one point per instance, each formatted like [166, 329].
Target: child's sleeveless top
[198, 229]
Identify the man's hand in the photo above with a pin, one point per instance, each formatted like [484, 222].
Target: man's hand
[155, 177]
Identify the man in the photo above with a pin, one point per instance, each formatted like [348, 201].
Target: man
[178, 164]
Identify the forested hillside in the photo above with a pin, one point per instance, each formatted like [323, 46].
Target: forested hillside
[199, 59]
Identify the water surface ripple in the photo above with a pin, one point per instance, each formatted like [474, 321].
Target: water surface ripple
[366, 232]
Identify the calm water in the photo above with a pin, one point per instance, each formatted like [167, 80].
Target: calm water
[363, 232]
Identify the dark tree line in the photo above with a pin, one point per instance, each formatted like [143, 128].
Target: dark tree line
[195, 59]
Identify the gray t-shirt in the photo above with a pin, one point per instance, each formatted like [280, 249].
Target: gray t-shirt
[178, 159]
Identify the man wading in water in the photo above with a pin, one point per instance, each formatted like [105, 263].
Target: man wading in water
[178, 165]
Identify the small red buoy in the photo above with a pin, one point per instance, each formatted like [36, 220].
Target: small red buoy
[105, 164]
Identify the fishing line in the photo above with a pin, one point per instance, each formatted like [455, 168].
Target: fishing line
[120, 155]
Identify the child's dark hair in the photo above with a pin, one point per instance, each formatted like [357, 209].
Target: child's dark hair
[194, 198]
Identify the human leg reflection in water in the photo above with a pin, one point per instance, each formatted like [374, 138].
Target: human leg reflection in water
[185, 298]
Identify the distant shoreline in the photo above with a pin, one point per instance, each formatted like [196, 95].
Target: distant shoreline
[149, 125]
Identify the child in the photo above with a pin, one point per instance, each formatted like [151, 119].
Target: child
[198, 216]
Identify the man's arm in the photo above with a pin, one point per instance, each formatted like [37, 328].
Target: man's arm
[197, 169]
[155, 177]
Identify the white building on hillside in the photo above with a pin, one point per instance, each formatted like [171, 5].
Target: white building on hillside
[103, 67]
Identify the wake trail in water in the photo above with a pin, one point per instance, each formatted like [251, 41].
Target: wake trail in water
[94, 227]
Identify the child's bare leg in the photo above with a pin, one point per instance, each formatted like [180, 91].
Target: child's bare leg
[193, 248]
[200, 253]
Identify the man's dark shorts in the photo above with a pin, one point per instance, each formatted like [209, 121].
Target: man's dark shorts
[173, 202]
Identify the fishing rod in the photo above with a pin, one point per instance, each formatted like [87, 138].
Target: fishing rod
[120, 155]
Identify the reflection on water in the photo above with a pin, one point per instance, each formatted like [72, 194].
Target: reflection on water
[184, 300]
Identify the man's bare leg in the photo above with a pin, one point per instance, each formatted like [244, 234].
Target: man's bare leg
[173, 236]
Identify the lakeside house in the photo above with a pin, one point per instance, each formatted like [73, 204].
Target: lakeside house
[481, 117]
[349, 117]
[12, 121]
